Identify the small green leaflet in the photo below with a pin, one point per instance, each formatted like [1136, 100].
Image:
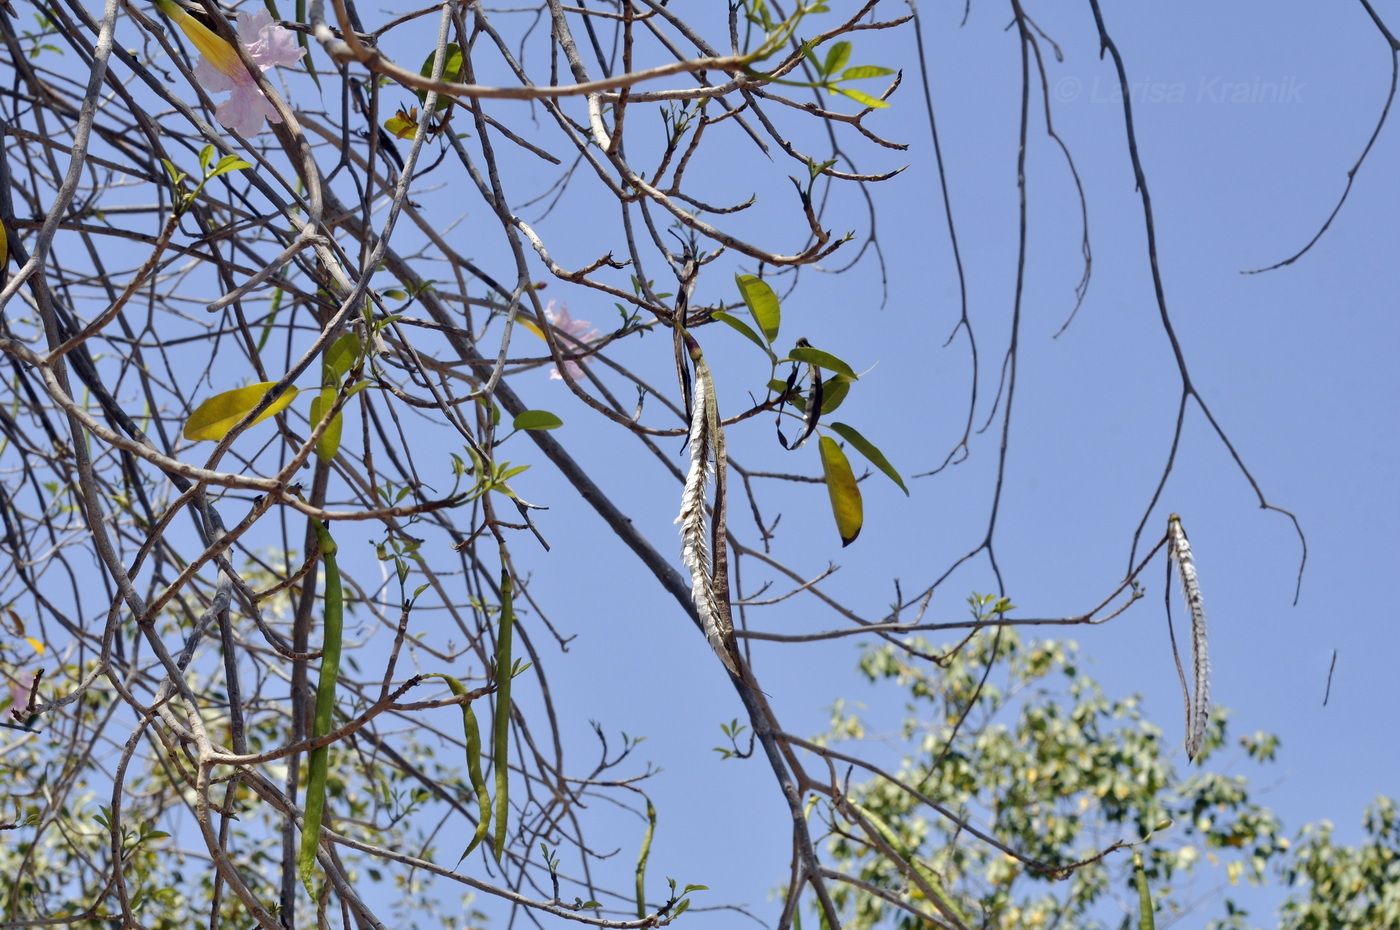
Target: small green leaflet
[224, 166]
[866, 448]
[213, 418]
[846, 505]
[839, 54]
[536, 419]
[762, 303]
[865, 71]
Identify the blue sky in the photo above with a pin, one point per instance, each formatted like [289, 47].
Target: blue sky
[1248, 118]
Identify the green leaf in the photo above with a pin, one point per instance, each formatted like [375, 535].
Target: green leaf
[822, 360]
[176, 175]
[861, 97]
[836, 58]
[537, 419]
[329, 443]
[333, 622]
[865, 71]
[762, 303]
[451, 72]
[341, 356]
[213, 418]
[844, 492]
[833, 392]
[226, 164]
[742, 327]
[868, 449]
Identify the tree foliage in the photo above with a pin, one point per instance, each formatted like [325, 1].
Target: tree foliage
[1014, 737]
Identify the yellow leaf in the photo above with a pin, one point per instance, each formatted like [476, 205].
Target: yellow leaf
[220, 413]
[841, 485]
[38, 646]
[403, 125]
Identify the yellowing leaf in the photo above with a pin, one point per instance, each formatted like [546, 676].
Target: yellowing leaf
[865, 71]
[841, 485]
[403, 125]
[762, 303]
[220, 413]
[868, 449]
[862, 98]
[38, 646]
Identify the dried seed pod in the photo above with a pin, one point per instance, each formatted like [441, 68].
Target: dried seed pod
[1198, 705]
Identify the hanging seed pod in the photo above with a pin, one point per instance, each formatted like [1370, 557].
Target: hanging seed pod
[1198, 704]
[706, 557]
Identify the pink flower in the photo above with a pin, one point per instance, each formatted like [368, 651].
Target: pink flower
[20, 689]
[220, 68]
[579, 330]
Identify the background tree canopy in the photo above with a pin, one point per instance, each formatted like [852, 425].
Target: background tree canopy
[393, 395]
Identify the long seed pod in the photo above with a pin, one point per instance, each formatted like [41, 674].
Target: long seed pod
[500, 726]
[1198, 707]
[706, 558]
[333, 624]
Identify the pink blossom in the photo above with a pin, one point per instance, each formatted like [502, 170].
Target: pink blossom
[579, 330]
[20, 689]
[219, 69]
